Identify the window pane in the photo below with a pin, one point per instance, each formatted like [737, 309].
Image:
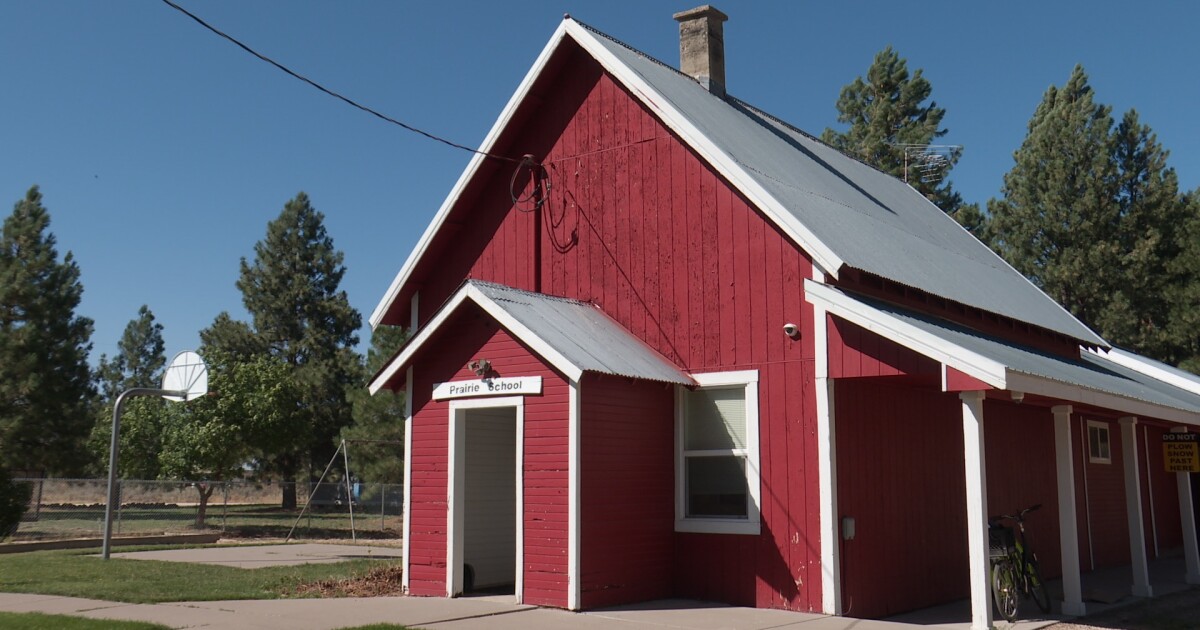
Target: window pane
[716, 486]
[716, 419]
[1094, 441]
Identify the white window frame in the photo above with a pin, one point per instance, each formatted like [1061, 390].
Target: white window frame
[751, 525]
[1097, 458]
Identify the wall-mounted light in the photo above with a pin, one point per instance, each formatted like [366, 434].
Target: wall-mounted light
[1018, 397]
[481, 367]
[791, 330]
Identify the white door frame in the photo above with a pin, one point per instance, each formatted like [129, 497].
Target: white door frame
[456, 488]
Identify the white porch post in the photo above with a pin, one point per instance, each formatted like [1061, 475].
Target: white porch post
[1133, 509]
[1068, 526]
[977, 527]
[1187, 516]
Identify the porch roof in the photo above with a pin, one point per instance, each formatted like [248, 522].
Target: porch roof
[1092, 379]
[574, 337]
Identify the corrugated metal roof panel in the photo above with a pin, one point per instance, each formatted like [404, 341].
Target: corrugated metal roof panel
[1091, 371]
[583, 334]
[870, 220]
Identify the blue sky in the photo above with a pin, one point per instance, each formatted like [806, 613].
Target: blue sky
[163, 151]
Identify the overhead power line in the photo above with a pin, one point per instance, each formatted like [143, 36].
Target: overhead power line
[330, 92]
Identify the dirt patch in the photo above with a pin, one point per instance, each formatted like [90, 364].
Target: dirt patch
[377, 582]
[1178, 611]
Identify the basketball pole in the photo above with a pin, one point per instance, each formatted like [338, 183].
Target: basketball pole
[114, 449]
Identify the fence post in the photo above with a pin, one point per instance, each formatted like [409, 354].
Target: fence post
[382, 505]
[225, 507]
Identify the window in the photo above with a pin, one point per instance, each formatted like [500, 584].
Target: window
[1098, 446]
[716, 479]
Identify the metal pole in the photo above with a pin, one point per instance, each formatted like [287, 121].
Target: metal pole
[349, 492]
[114, 452]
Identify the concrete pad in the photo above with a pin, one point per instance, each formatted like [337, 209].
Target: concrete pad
[258, 556]
[324, 614]
[51, 604]
[675, 613]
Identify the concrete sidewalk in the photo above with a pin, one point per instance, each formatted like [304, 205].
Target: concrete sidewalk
[435, 613]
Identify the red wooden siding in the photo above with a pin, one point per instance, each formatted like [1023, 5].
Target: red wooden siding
[1105, 500]
[856, 352]
[1021, 472]
[683, 262]
[1161, 487]
[545, 471]
[627, 491]
[900, 476]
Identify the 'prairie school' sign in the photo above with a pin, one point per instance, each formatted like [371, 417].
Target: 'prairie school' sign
[488, 387]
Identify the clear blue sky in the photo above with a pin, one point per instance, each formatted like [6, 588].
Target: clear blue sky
[163, 151]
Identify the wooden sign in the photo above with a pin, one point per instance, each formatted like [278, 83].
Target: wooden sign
[1181, 452]
[488, 387]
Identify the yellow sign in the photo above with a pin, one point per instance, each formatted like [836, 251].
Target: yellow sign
[1181, 452]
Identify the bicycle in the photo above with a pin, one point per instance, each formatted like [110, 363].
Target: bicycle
[1015, 569]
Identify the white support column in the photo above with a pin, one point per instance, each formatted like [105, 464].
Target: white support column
[406, 525]
[1068, 525]
[831, 574]
[1133, 509]
[977, 527]
[1187, 516]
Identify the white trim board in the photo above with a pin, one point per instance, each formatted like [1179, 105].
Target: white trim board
[455, 489]
[1151, 368]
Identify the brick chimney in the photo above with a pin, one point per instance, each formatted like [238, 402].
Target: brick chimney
[702, 46]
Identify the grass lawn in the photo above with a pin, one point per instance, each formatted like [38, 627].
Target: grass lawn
[79, 573]
[38, 621]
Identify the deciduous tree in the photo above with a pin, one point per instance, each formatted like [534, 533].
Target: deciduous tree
[377, 435]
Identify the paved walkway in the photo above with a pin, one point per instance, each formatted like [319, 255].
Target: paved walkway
[494, 613]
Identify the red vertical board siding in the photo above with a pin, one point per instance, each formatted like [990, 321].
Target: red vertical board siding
[1160, 487]
[667, 249]
[900, 476]
[1021, 472]
[545, 472]
[627, 491]
[1106, 500]
[857, 352]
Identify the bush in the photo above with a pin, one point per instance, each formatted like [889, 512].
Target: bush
[14, 499]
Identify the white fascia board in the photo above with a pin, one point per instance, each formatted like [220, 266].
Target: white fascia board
[976, 365]
[415, 343]
[527, 336]
[489, 142]
[698, 141]
[1078, 394]
[502, 317]
[1142, 365]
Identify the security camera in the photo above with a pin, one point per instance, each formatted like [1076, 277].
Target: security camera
[791, 330]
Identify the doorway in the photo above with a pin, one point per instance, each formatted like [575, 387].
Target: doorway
[484, 550]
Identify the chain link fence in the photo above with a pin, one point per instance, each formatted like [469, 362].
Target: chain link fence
[74, 508]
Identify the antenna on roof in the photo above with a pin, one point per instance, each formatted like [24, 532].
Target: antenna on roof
[928, 162]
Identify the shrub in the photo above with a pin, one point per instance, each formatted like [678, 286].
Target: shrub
[14, 499]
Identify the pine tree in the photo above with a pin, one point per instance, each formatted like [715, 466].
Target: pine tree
[1138, 315]
[302, 317]
[1185, 294]
[889, 118]
[45, 382]
[139, 362]
[378, 429]
[1058, 216]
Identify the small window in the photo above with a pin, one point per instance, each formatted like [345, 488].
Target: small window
[717, 477]
[1098, 445]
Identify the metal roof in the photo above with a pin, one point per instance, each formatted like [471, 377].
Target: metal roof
[1091, 372]
[868, 219]
[583, 334]
[574, 337]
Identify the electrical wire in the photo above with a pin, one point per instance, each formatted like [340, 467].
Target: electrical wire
[330, 92]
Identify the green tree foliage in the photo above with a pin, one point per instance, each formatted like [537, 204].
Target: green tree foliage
[14, 500]
[139, 362]
[140, 357]
[1090, 214]
[887, 112]
[1185, 294]
[302, 318]
[45, 382]
[376, 438]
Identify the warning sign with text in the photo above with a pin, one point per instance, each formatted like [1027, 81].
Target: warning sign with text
[1181, 452]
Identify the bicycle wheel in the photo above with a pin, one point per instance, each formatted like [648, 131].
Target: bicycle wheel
[1004, 589]
[1037, 586]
